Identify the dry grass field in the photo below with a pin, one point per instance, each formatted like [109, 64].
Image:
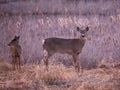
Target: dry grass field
[34, 77]
[36, 20]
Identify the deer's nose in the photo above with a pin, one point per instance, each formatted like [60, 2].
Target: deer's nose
[83, 35]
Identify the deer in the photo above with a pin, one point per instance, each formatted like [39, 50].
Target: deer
[15, 51]
[71, 47]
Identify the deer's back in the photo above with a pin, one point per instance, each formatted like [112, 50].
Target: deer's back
[63, 45]
[15, 50]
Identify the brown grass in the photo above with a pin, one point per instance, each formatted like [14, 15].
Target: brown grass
[59, 77]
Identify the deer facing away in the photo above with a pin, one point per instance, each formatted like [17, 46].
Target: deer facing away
[69, 46]
[15, 50]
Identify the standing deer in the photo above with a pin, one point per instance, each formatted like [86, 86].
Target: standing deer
[15, 50]
[60, 45]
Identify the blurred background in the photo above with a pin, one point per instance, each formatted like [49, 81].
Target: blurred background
[35, 20]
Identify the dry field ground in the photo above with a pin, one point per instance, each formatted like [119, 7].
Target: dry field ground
[59, 77]
[35, 20]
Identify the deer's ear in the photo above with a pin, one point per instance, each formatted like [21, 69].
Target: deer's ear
[15, 36]
[87, 28]
[78, 29]
[18, 36]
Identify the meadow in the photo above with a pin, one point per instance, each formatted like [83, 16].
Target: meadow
[37, 20]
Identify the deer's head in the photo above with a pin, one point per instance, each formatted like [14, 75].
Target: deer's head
[83, 31]
[14, 41]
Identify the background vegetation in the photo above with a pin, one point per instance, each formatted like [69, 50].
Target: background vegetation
[35, 20]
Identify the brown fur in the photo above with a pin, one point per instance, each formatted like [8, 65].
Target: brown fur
[15, 50]
[60, 45]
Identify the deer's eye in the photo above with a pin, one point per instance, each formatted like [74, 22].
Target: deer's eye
[78, 53]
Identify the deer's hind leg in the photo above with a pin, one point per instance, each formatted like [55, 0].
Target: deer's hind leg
[47, 55]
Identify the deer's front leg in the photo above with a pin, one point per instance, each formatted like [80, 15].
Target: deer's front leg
[16, 62]
[76, 62]
[19, 62]
[13, 62]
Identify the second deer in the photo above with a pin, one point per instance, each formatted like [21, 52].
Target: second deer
[15, 50]
[60, 45]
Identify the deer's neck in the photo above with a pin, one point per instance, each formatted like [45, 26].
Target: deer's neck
[82, 39]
